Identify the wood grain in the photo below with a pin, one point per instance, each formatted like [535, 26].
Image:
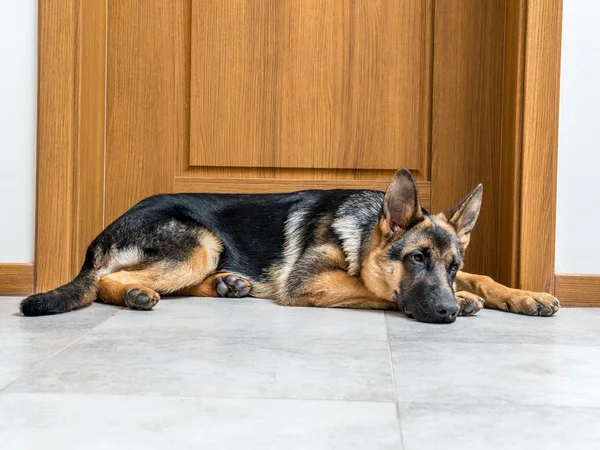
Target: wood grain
[16, 279]
[578, 290]
[146, 102]
[56, 141]
[70, 170]
[540, 145]
[467, 115]
[512, 133]
[88, 196]
[263, 186]
[314, 84]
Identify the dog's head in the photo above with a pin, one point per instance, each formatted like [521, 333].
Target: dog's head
[414, 256]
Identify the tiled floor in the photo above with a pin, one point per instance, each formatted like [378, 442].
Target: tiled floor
[214, 373]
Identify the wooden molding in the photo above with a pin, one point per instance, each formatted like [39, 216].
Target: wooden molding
[527, 218]
[264, 186]
[578, 290]
[16, 279]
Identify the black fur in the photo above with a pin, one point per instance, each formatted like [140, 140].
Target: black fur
[60, 300]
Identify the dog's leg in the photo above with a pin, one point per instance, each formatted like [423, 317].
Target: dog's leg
[469, 303]
[337, 289]
[127, 289]
[223, 284]
[498, 296]
[139, 289]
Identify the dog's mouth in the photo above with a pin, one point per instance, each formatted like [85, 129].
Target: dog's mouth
[402, 306]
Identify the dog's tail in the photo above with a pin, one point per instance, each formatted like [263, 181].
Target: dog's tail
[74, 295]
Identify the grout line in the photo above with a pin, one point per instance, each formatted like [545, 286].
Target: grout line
[500, 405]
[41, 363]
[396, 403]
[201, 397]
[497, 405]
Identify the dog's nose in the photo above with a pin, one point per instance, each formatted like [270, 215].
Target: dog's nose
[446, 312]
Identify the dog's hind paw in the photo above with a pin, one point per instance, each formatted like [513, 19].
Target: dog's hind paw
[470, 304]
[142, 299]
[232, 286]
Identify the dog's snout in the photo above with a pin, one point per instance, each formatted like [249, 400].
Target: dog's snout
[446, 312]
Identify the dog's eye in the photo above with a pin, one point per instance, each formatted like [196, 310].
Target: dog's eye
[418, 257]
[454, 267]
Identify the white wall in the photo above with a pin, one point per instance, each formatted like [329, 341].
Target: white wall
[18, 94]
[578, 209]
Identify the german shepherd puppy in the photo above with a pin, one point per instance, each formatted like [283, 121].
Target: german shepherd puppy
[335, 248]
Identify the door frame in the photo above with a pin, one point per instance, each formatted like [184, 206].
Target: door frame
[70, 135]
[527, 219]
[71, 139]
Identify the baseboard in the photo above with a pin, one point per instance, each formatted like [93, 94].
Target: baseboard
[16, 279]
[577, 290]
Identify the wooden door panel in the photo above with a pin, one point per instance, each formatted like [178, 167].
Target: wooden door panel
[274, 84]
[145, 105]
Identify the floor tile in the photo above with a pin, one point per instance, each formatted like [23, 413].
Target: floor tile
[27, 341]
[525, 374]
[247, 373]
[138, 362]
[460, 427]
[250, 318]
[578, 326]
[66, 422]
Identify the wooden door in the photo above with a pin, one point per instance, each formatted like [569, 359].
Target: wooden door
[275, 96]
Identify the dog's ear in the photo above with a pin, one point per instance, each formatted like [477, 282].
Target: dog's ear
[464, 215]
[401, 207]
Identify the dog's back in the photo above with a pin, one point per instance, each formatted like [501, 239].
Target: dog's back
[256, 229]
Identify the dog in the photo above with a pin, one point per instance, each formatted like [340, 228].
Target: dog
[326, 248]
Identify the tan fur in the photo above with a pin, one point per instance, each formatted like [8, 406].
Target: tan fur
[114, 287]
[378, 282]
[498, 296]
[469, 303]
[276, 286]
[337, 289]
[207, 287]
[380, 274]
[333, 254]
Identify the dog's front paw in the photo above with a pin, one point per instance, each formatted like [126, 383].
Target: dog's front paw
[531, 303]
[470, 304]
